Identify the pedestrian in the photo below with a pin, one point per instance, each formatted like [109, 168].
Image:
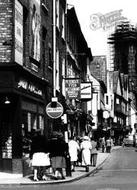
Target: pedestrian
[73, 152]
[58, 151]
[86, 152]
[39, 155]
[124, 141]
[103, 144]
[94, 152]
[109, 144]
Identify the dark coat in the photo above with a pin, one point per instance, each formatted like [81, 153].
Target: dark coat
[57, 147]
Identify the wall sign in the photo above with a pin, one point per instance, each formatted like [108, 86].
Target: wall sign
[30, 87]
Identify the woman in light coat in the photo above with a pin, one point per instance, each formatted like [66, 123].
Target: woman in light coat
[73, 152]
[94, 152]
[86, 152]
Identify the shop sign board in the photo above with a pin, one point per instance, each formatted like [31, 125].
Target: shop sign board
[72, 86]
[54, 112]
[86, 90]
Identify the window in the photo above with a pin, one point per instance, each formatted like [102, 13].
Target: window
[57, 13]
[63, 75]
[44, 33]
[50, 57]
[63, 24]
[41, 122]
[107, 100]
[117, 101]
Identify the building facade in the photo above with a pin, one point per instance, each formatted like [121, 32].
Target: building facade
[26, 74]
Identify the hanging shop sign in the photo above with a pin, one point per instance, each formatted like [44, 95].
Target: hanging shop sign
[86, 90]
[54, 111]
[72, 86]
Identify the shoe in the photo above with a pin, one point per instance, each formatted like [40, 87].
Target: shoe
[63, 177]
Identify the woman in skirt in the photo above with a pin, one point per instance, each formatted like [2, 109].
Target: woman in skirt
[58, 148]
[39, 155]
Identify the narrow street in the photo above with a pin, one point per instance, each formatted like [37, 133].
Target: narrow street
[119, 172]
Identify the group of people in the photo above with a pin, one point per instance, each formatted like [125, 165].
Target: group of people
[83, 152]
[46, 154]
[53, 154]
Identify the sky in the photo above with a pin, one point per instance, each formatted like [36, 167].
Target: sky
[86, 9]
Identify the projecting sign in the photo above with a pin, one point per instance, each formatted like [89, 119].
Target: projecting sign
[85, 90]
[54, 112]
[72, 86]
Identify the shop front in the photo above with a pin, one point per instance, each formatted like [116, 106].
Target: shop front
[22, 108]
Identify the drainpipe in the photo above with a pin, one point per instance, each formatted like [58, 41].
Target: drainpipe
[54, 48]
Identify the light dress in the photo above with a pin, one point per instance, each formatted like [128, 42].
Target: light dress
[40, 159]
[86, 152]
[73, 150]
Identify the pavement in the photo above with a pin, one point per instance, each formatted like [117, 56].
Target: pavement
[18, 179]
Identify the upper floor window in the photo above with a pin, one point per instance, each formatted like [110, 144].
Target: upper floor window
[35, 25]
[106, 99]
[117, 101]
[63, 24]
[50, 57]
[18, 32]
[57, 13]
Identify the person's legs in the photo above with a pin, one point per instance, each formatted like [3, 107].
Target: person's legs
[44, 174]
[60, 170]
[94, 159]
[72, 166]
[56, 173]
[91, 160]
[87, 168]
[35, 174]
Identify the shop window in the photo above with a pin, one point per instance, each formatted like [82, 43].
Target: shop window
[7, 147]
[30, 121]
[34, 121]
[41, 122]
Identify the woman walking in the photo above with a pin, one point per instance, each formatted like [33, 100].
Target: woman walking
[93, 152]
[39, 155]
[73, 152]
[86, 152]
[58, 149]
